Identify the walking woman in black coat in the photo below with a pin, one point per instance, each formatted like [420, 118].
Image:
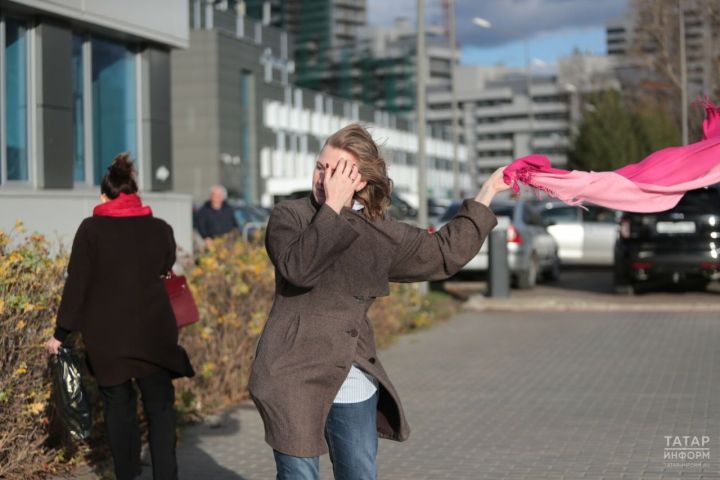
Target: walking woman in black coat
[114, 296]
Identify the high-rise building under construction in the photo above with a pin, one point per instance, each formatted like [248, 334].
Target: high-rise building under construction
[338, 53]
[322, 29]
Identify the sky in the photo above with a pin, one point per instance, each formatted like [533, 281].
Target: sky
[552, 28]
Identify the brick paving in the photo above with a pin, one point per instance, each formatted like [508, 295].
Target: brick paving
[525, 396]
[518, 396]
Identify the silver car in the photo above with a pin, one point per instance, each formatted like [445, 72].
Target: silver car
[585, 237]
[532, 251]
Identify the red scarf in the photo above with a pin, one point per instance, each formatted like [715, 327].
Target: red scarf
[123, 206]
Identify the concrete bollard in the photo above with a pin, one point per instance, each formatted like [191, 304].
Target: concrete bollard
[498, 269]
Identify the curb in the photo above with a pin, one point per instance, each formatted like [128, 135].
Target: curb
[482, 304]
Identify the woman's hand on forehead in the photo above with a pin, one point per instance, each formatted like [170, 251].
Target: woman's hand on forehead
[339, 161]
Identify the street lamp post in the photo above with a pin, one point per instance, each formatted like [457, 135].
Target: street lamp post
[482, 23]
[453, 98]
[420, 100]
[683, 75]
[530, 112]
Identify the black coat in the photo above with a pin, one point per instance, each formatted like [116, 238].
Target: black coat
[115, 296]
[213, 223]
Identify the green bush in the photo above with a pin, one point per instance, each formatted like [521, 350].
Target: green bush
[233, 284]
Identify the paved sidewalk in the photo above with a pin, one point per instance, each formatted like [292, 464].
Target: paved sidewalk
[515, 396]
[525, 396]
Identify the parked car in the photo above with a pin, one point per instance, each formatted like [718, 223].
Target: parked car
[400, 209]
[584, 237]
[251, 219]
[250, 214]
[532, 251]
[436, 208]
[680, 246]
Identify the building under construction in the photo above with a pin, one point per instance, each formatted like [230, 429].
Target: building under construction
[338, 53]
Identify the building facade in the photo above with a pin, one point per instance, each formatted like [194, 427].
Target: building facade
[380, 68]
[322, 30]
[702, 47]
[502, 116]
[81, 82]
[239, 120]
[336, 52]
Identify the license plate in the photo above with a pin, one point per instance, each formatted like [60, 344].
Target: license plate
[675, 227]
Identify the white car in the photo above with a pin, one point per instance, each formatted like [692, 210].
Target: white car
[584, 237]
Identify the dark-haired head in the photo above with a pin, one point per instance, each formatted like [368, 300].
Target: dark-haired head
[120, 177]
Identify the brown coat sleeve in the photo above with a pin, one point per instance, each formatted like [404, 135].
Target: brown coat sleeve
[79, 271]
[435, 256]
[300, 254]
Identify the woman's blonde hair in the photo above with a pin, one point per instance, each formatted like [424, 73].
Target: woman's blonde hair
[375, 197]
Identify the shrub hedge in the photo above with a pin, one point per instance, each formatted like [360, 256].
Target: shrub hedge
[233, 283]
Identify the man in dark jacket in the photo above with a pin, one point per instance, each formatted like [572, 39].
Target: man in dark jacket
[216, 217]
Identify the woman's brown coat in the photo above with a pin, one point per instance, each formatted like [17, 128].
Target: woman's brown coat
[329, 269]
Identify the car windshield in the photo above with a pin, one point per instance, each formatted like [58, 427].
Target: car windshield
[560, 214]
[500, 210]
[599, 215]
[246, 214]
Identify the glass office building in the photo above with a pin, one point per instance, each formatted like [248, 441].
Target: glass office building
[81, 82]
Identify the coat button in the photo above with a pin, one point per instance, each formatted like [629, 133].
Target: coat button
[372, 360]
[353, 332]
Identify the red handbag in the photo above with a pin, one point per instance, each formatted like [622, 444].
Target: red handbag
[181, 299]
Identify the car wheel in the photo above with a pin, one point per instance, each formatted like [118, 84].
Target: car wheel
[528, 278]
[553, 273]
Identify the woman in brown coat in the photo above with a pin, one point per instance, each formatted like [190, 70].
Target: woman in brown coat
[316, 378]
[114, 296]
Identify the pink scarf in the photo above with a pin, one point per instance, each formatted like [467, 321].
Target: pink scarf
[654, 184]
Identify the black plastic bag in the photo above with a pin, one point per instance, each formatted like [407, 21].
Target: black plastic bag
[71, 400]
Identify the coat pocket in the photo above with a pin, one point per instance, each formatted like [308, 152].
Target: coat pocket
[279, 335]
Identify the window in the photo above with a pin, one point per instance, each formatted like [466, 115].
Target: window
[599, 215]
[78, 107]
[561, 215]
[16, 101]
[114, 111]
[531, 216]
[503, 209]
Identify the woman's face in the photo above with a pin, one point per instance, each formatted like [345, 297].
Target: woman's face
[328, 156]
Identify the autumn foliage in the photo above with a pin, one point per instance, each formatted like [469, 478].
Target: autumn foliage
[233, 283]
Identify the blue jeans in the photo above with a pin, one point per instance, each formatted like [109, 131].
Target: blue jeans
[351, 435]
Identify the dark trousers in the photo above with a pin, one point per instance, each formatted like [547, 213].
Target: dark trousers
[158, 397]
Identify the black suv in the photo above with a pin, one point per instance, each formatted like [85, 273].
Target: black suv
[680, 246]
